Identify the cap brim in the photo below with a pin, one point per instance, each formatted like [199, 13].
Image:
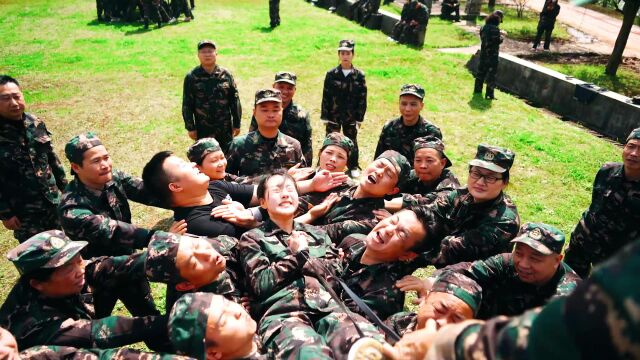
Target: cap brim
[534, 244]
[205, 45]
[448, 164]
[487, 165]
[412, 93]
[286, 81]
[345, 48]
[268, 99]
[66, 253]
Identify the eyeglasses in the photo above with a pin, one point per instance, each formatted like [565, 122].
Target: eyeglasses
[490, 179]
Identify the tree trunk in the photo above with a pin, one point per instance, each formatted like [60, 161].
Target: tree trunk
[630, 10]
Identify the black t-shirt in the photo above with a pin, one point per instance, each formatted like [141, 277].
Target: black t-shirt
[199, 219]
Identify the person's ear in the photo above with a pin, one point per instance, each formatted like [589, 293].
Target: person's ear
[75, 167]
[173, 187]
[36, 284]
[394, 191]
[185, 286]
[408, 256]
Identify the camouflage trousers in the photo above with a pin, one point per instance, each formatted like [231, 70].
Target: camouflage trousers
[274, 12]
[487, 70]
[181, 6]
[46, 352]
[405, 33]
[32, 223]
[111, 278]
[222, 132]
[154, 10]
[312, 334]
[402, 322]
[350, 130]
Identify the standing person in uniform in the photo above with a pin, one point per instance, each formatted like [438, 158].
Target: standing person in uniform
[210, 101]
[489, 50]
[31, 175]
[612, 220]
[274, 13]
[398, 134]
[546, 23]
[296, 121]
[344, 100]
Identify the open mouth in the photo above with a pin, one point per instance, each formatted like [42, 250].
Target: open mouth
[372, 179]
[329, 167]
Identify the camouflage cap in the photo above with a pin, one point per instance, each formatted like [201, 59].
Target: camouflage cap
[75, 148]
[348, 45]
[460, 286]
[202, 148]
[635, 134]
[493, 158]
[161, 258]
[286, 76]
[264, 95]
[337, 139]
[204, 43]
[47, 250]
[542, 238]
[412, 89]
[188, 324]
[431, 142]
[401, 164]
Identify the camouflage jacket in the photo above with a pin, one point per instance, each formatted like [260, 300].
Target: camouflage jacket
[296, 123]
[374, 284]
[415, 11]
[611, 221]
[415, 191]
[253, 155]
[396, 136]
[490, 42]
[282, 282]
[104, 219]
[503, 293]
[344, 99]
[35, 319]
[31, 175]
[308, 200]
[53, 352]
[593, 322]
[210, 101]
[472, 231]
[230, 283]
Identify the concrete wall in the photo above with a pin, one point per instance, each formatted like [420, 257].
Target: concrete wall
[609, 113]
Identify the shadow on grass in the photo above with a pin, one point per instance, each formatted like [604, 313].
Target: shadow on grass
[129, 28]
[478, 102]
[264, 29]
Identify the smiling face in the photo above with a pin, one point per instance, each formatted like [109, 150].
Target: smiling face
[230, 330]
[214, 165]
[198, 262]
[96, 168]
[66, 280]
[533, 267]
[428, 164]
[393, 238]
[484, 185]
[410, 107]
[12, 103]
[445, 309]
[380, 178]
[207, 56]
[631, 156]
[280, 197]
[287, 91]
[333, 158]
[185, 177]
[268, 115]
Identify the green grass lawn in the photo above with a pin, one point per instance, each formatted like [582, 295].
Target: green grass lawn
[525, 28]
[126, 85]
[626, 81]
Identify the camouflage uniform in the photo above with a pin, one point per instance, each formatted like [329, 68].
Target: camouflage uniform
[160, 266]
[610, 222]
[211, 104]
[597, 321]
[413, 20]
[53, 352]
[104, 220]
[396, 136]
[374, 284]
[253, 155]
[154, 9]
[274, 13]
[503, 292]
[300, 319]
[296, 122]
[35, 319]
[488, 66]
[31, 176]
[205, 146]
[344, 102]
[475, 231]
[362, 10]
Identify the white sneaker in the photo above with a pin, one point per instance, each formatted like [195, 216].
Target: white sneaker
[172, 21]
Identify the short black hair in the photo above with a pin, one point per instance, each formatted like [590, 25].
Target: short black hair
[493, 19]
[431, 225]
[4, 79]
[39, 275]
[156, 180]
[262, 185]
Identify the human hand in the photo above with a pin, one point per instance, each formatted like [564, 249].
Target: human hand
[413, 345]
[323, 208]
[12, 223]
[235, 213]
[298, 173]
[412, 283]
[193, 135]
[324, 180]
[381, 214]
[298, 241]
[235, 132]
[178, 227]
